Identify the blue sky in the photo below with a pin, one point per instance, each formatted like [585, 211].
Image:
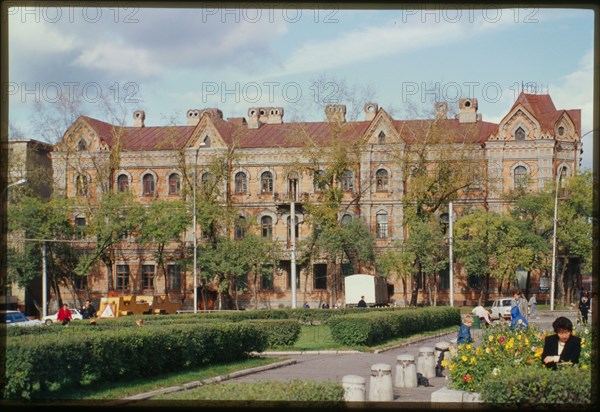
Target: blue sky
[166, 61]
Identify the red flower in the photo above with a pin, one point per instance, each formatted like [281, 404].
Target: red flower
[465, 378]
[502, 339]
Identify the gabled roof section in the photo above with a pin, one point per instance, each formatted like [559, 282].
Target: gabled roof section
[382, 122]
[542, 108]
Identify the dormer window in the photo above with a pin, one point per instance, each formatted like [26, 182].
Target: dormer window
[82, 146]
[561, 131]
[381, 138]
[520, 134]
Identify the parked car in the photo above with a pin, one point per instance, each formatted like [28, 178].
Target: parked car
[501, 308]
[75, 314]
[17, 318]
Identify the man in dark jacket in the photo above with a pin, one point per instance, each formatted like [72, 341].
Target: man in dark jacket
[87, 310]
[563, 347]
[362, 303]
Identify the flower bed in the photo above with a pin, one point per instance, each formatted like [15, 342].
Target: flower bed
[505, 352]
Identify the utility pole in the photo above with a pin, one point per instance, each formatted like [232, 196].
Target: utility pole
[293, 239]
[451, 252]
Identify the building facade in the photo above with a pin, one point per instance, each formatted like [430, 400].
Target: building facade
[272, 164]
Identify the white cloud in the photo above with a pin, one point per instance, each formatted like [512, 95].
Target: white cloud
[116, 58]
[38, 39]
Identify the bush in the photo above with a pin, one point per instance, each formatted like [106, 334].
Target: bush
[36, 364]
[279, 332]
[535, 386]
[373, 327]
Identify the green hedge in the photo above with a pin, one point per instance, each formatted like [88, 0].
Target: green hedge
[374, 327]
[37, 364]
[532, 386]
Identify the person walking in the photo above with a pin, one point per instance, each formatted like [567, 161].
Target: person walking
[533, 305]
[584, 307]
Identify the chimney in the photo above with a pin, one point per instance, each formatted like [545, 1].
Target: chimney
[193, 117]
[467, 111]
[275, 115]
[441, 110]
[335, 113]
[138, 118]
[213, 112]
[371, 111]
[252, 120]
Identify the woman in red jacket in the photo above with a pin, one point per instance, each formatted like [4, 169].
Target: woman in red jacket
[64, 315]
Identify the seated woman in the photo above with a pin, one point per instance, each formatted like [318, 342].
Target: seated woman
[516, 318]
[563, 347]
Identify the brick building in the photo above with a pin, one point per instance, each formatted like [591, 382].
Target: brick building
[271, 168]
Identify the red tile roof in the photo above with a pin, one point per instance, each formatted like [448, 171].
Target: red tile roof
[142, 138]
[301, 134]
[542, 107]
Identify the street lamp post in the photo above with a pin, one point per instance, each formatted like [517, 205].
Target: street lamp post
[195, 233]
[553, 279]
[293, 273]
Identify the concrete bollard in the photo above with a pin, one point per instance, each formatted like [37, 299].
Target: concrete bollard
[354, 388]
[406, 371]
[442, 352]
[426, 362]
[380, 385]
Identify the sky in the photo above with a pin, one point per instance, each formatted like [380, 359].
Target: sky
[166, 61]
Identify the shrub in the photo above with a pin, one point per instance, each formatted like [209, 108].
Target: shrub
[37, 364]
[279, 332]
[535, 386]
[369, 328]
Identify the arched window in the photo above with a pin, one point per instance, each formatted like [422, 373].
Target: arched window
[123, 183]
[266, 182]
[82, 185]
[381, 138]
[520, 134]
[174, 184]
[148, 185]
[266, 223]
[346, 219]
[240, 183]
[521, 177]
[347, 181]
[318, 180]
[382, 225]
[240, 227]
[562, 189]
[82, 145]
[381, 177]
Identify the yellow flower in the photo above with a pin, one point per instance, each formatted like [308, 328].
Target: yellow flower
[468, 346]
[473, 361]
[519, 336]
[464, 358]
[488, 350]
[584, 366]
[491, 338]
[526, 341]
[444, 363]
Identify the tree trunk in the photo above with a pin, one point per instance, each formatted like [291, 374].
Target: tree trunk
[559, 285]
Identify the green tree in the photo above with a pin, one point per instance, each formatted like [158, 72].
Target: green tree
[32, 220]
[397, 262]
[113, 217]
[426, 243]
[163, 223]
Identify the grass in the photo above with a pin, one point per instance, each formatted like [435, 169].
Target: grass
[294, 391]
[119, 390]
[318, 337]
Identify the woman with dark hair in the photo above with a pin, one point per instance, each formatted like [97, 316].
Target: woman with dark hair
[563, 348]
